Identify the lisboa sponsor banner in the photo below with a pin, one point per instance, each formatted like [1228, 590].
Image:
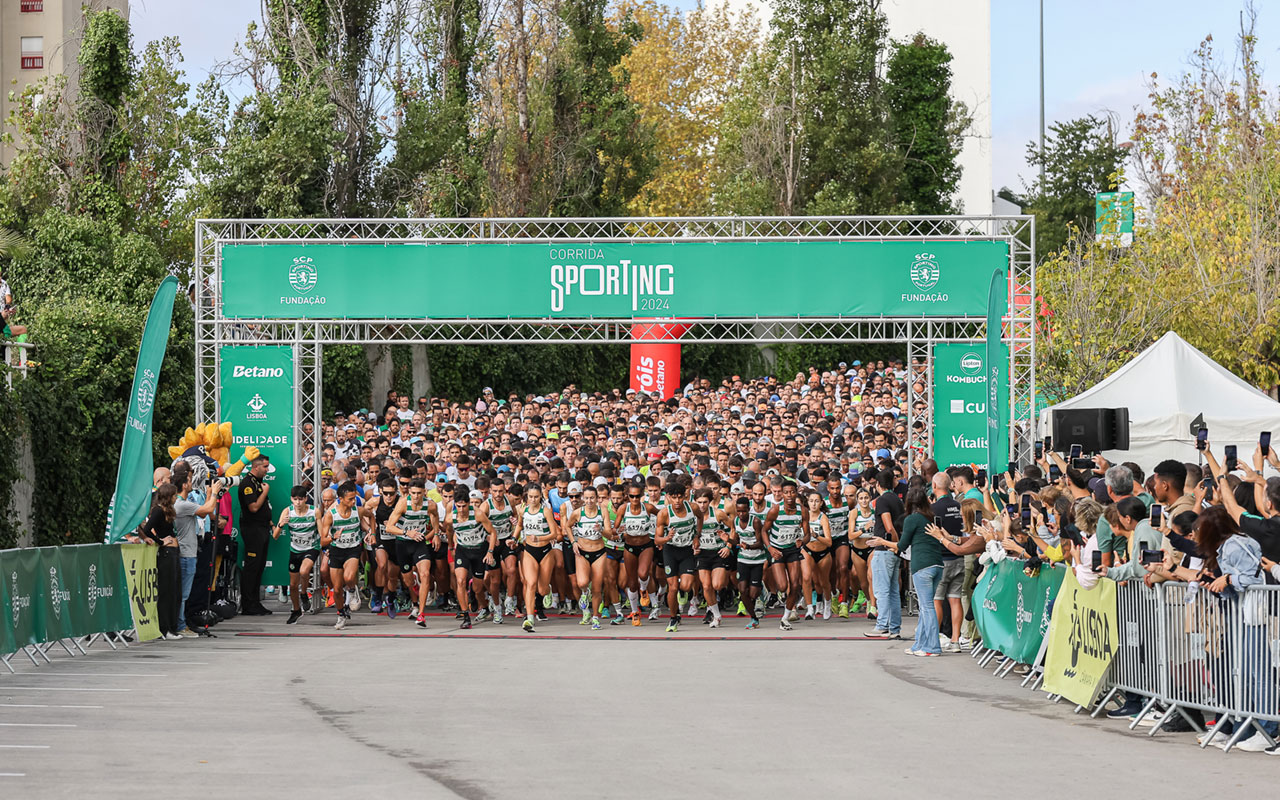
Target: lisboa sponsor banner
[615, 280]
[52, 593]
[960, 400]
[257, 399]
[140, 574]
[1083, 638]
[1012, 608]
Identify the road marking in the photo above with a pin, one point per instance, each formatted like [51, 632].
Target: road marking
[40, 705]
[95, 674]
[58, 689]
[13, 774]
[36, 725]
[24, 747]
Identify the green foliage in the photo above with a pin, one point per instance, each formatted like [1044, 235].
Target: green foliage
[918, 95]
[12, 428]
[346, 378]
[106, 58]
[602, 149]
[1081, 158]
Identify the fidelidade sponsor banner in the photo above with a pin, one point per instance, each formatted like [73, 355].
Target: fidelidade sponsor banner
[1083, 638]
[257, 399]
[1012, 608]
[611, 280]
[51, 593]
[140, 572]
[960, 401]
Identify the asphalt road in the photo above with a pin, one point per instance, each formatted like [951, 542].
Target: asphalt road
[565, 713]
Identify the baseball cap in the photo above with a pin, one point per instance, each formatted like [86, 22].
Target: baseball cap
[476, 495]
[629, 472]
[440, 477]
[575, 487]
[882, 453]
[600, 481]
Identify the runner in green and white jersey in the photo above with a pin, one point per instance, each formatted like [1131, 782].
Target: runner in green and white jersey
[838, 515]
[412, 522]
[676, 532]
[587, 527]
[304, 549]
[504, 573]
[747, 535]
[784, 527]
[342, 531]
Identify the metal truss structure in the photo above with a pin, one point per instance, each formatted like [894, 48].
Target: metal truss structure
[309, 336]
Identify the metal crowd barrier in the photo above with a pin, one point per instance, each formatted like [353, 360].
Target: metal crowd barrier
[1184, 648]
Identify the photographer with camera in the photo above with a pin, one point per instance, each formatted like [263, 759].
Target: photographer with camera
[255, 532]
[189, 508]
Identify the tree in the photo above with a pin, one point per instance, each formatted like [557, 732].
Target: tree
[927, 123]
[1081, 158]
[93, 179]
[850, 165]
[1203, 258]
[601, 148]
[684, 72]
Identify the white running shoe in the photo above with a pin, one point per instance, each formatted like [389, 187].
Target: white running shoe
[341, 623]
[509, 607]
[784, 624]
[826, 609]
[809, 612]
[353, 600]
[715, 622]
[283, 594]
[1256, 743]
[693, 608]
[655, 613]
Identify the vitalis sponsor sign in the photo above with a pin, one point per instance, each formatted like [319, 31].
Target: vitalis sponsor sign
[960, 375]
[611, 280]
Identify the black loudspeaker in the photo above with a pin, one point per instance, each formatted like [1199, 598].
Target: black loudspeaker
[1094, 429]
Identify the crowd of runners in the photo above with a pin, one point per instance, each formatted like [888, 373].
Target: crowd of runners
[617, 508]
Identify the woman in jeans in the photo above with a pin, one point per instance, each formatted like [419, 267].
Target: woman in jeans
[926, 568]
[158, 530]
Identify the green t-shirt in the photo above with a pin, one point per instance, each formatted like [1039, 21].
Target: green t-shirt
[926, 551]
[1108, 541]
[973, 494]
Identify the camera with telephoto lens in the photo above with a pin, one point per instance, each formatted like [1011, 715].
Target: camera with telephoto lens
[229, 482]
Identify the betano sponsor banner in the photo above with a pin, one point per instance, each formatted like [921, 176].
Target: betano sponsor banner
[1012, 608]
[960, 399]
[51, 593]
[1083, 638]
[257, 399]
[610, 280]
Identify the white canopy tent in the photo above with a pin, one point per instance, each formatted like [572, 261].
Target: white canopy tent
[1165, 387]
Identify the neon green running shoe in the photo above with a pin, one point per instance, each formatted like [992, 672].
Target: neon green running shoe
[742, 610]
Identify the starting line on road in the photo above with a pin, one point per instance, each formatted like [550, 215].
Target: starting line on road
[562, 637]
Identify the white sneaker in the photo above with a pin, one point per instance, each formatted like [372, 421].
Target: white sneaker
[693, 608]
[509, 607]
[951, 648]
[966, 644]
[171, 637]
[784, 624]
[341, 623]
[809, 612]
[431, 598]
[1257, 743]
[1218, 739]
[284, 596]
[826, 609]
[944, 639]
[911, 651]
[353, 600]
[715, 622]
[654, 613]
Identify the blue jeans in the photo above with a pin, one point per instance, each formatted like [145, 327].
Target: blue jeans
[884, 577]
[926, 583]
[187, 567]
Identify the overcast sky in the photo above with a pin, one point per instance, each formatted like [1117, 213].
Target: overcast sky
[1099, 54]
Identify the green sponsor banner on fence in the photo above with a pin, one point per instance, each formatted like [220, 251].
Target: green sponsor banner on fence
[1012, 608]
[19, 578]
[610, 280]
[257, 399]
[960, 399]
[52, 593]
[1113, 218]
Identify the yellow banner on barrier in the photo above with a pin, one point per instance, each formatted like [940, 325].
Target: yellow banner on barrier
[1083, 638]
[140, 569]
